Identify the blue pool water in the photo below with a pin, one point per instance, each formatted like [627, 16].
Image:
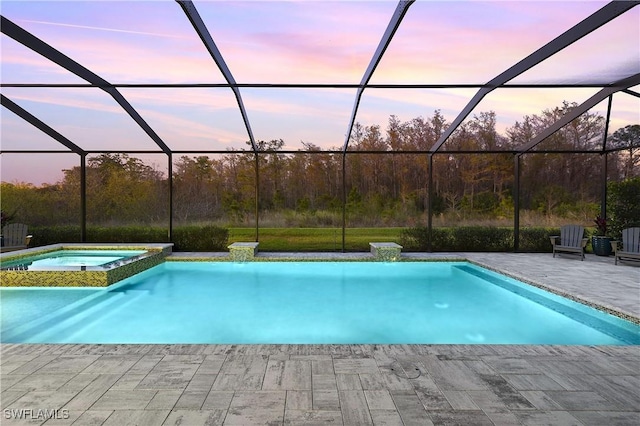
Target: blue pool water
[309, 302]
[61, 259]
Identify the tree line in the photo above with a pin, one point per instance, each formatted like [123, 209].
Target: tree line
[389, 188]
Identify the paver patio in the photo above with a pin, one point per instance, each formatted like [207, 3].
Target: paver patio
[345, 384]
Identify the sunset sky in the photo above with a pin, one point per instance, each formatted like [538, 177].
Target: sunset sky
[452, 42]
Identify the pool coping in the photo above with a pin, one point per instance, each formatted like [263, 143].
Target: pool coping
[18, 254]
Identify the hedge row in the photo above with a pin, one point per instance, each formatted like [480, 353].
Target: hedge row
[212, 238]
[185, 238]
[477, 239]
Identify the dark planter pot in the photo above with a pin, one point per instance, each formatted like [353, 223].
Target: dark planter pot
[601, 245]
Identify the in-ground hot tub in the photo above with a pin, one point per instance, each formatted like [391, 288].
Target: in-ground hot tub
[79, 265]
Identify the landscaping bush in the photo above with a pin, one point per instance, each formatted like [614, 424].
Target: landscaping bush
[186, 238]
[477, 238]
[536, 240]
[415, 239]
[213, 238]
[442, 239]
[623, 204]
[200, 238]
[465, 238]
[481, 238]
[44, 235]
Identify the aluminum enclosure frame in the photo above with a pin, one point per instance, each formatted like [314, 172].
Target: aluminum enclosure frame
[590, 24]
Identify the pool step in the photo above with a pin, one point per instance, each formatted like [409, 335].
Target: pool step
[66, 327]
[15, 334]
[67, 333]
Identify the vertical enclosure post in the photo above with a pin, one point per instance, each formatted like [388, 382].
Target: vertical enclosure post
[170, 188]
[430, 205]
[516, 204]
[83, 198]
[257, 186]
[603, 196]
[344, 200]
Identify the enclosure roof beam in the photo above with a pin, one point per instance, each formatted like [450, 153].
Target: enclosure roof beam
[581, 109]
[632, 93]
[392, 27]
[308, 85]
[40, 125]
[607, 13]
[34, 43]
[200, 27]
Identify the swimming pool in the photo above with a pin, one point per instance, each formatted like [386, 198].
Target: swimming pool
[309, 302]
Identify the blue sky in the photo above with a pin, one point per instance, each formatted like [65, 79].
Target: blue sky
[453, 42]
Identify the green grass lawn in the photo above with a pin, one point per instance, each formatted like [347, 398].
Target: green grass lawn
[315, 239]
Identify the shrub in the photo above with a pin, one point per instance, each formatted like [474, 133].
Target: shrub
[415, 239]
[465, 238]
[44, 235]
[536, 240]
[482, 238]
[623, 203]
[185, 238]
[200, 238]
[476, 238]
[442, 239]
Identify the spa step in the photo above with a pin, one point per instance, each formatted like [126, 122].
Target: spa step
[62, 331]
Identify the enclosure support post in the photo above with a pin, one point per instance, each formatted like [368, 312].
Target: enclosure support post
[170, 188]
[83, 198]
[257, 195]
[516, 204]
[344, 200]
[430, 205]
[603, 196]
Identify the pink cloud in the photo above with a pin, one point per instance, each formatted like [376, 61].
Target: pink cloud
[163, 49]
[20, 64]
[473, 42]
[73, 98]
[298, 42]
[94, 28]
[126, 63]
[191, 118]
[88, 117]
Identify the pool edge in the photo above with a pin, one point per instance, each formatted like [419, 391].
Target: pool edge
[94, 277]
